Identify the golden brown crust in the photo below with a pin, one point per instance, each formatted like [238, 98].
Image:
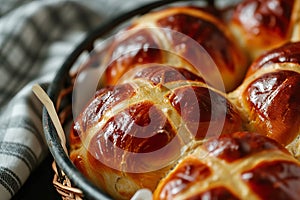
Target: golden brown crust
[160, 74]
[255, 167]
[160, 46]
[261, 25]
[153, 119]
[274, 103]
[287, 53]
[161, 102]
[143, 46]
[269, 96]
[276, 179]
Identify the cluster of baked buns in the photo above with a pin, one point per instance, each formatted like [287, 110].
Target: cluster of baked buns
[164, 121]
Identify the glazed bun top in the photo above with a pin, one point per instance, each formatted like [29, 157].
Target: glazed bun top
[261, 25]
[241, 165]
[269, 95]
[158, 112]
[286, 55]
[177, 79]
[181, 37]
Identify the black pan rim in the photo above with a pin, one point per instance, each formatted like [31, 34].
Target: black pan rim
[90, 191]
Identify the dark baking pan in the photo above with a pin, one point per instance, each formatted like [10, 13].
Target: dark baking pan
[62, 80]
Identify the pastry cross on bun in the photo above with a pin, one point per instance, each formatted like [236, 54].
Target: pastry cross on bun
[130, 135]
[269, 97]
[241, 165]
[152, 37]
[162, 121]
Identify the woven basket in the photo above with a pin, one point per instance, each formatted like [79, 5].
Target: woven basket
[68, 181]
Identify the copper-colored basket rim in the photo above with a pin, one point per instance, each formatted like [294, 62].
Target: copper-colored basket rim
[64, 187]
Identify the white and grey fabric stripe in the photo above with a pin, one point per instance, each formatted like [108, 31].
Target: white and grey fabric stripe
[9, 180]
[35, 39]
[45, 25]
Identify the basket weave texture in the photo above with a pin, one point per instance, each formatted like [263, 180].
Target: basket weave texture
[64, 187]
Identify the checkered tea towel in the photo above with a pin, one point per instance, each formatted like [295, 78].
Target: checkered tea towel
[35, 39]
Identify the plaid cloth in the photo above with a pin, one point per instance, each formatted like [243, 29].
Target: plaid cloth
[35, 39]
